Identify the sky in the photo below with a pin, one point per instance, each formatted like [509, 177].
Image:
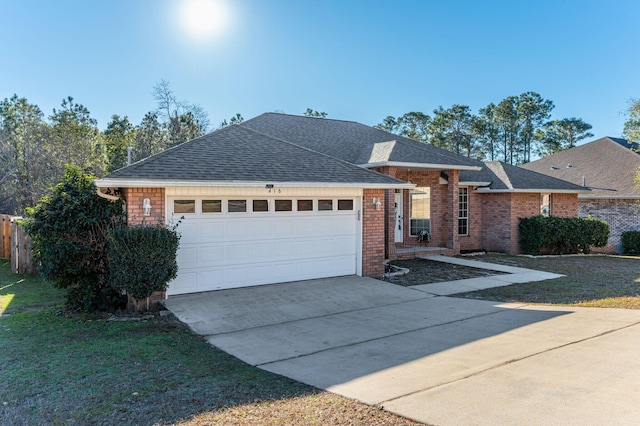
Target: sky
[359, 60]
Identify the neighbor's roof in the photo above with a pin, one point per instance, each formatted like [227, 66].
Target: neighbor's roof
[504, 177]
[608, 166]
[356, 143]
[237, 154]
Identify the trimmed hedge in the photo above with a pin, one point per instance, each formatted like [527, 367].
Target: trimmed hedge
[561, 235]
[630, 242]
[142, 259]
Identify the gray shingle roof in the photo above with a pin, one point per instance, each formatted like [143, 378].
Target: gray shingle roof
[607, 165]
[505, 177]
[353, 142]
[237, 153]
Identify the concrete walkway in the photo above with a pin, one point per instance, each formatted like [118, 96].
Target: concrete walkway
[513, 275]
[432, 358]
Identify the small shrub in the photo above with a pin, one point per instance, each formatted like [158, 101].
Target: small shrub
[561, 235]
[142, 259]
[630, 242]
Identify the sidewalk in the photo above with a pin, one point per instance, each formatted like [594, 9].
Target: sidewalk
[513, 275]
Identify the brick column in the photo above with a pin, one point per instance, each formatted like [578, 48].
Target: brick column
[373, 234]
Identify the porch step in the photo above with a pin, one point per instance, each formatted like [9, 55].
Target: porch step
[407, 253]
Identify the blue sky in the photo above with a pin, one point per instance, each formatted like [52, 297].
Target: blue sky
[357, 60]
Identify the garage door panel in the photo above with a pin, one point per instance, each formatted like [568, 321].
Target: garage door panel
[237, 229]
[261, 252]
[210, 255]
[284, 226]
[211, 278]
[229, 250]
[237, 253]
[305, 227]
[211, 231]
[262, 229]
[187, 257]
[189, 231]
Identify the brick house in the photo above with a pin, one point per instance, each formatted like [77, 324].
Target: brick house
[608, 166]
[282, 198]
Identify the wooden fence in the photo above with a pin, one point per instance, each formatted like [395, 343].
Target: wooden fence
[16, 245]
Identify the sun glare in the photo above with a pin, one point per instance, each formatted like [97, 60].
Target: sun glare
[203, 20]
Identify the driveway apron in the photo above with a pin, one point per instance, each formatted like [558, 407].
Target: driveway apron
[435, 359]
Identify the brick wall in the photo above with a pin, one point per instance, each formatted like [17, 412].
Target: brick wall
[522, 205]
[564, 205]
[373, 234]
[439, 206]
[134, 198]
[496, 229]
[621, 215]
[473, 241]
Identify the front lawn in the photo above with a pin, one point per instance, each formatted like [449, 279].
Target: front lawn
[57, 369]
[591, 281]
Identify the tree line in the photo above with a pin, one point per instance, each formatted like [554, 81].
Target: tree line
[510, 131]
[34, 148]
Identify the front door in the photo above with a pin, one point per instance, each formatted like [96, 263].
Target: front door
[399, 224]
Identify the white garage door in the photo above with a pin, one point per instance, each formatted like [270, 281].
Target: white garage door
[237, 242]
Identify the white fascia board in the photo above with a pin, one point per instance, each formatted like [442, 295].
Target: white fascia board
[420, 166]
[158, 183]
[474, 183]
[544, 191]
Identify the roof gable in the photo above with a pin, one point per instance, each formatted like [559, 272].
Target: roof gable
[607, 165]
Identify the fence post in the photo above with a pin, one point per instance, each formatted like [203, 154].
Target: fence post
[5, 235]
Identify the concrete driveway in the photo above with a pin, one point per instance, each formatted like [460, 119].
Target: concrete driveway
[435, 359]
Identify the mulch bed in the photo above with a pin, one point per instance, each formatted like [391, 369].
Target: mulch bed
[428, 271]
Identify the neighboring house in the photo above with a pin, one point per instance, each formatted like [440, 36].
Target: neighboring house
[608, 166]
[281, 198]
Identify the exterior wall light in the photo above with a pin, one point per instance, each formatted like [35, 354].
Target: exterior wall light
[377, 203]
[146, 207]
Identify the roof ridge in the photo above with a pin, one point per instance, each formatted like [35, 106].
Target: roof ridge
[306, 149]
[304, 117]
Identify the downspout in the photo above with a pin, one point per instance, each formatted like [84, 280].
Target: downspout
[109, 197]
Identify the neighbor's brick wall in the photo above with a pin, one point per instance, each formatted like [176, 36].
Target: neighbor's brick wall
[621, 215]
[134, 198]
[373, 234]
[473, 241]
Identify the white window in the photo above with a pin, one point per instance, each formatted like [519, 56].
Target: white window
[463, 211]
[420, 209]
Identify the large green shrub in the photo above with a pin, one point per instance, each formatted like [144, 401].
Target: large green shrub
[69, 229]
[630, 242]
[561, 235]
[142, 259]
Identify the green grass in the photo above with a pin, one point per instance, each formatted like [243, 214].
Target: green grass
[57, 369]
[591, 281]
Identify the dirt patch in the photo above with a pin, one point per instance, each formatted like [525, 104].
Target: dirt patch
[429, 271]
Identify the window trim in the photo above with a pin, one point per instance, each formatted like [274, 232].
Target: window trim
[423, 219]
[464, 218]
